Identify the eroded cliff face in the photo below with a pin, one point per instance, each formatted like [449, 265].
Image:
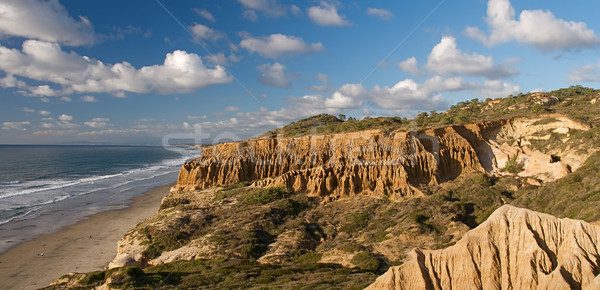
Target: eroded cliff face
[514, 249]
[392, 164]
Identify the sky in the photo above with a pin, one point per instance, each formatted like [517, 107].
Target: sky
[160, 71]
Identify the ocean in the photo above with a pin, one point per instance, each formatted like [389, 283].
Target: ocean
[44, 188]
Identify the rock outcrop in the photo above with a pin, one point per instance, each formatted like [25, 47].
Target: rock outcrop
[374, 163]
[514, 249]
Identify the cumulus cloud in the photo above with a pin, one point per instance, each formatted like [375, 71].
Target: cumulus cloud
[381, 13]
[205, 14]
[348, 96]
[446, 59]
[586, 73]
[44, 20]
[410, 95]
[44, 61]
[97, 123]
[19, 126]
[275, 45]
[274, 75]
[44, 113]
[203, 32]
[28, 110]
[89, 99]
[43, 90]
[410, 65]
[535, 27]
[326, 14]
[10, 81]
[65, 117]
[232, 109]
[64, 121]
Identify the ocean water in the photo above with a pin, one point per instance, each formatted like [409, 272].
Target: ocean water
[44, 188]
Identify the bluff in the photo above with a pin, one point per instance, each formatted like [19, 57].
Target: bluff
[394, 164]
[514, 249]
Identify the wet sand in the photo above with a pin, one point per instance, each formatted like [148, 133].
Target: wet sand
[88, 245]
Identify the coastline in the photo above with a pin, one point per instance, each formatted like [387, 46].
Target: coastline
[88, 245]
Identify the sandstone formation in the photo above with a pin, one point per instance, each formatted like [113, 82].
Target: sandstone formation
[514, 249]
[374, 163]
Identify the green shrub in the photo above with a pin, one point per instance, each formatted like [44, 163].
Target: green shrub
[308, 258]
[265, 195]
[512, 166]
[356, 222]
[173, 202]
[365, 261]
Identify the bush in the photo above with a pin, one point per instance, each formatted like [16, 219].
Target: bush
[356, 222]
[265, 195]
[512, 166]
[173, 202]
[308, 258]
[365, 261]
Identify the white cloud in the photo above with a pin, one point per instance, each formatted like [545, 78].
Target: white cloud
[28, 110]
[43, 90]
[274, 75]
[326, 14]
[381, 13]
[410, 66]
[496, 89]
[446, 59]
[232, 109]
[44, 20]
[586, 73]
[97, 123]
[275, 45]
[348, 96]
[205, 14]
[271, 8]
[203, 32]
[410, 95]
[65, 117]
[89, 99]
[43, 61]
[19, 126]
[44, 113]
[219, 58]
[10, 81]
[65, 99]
[535, 27]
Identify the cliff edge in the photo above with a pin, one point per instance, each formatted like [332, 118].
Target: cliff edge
[514, 249]
[393, 165]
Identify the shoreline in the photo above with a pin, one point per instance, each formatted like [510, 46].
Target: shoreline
[88, 245]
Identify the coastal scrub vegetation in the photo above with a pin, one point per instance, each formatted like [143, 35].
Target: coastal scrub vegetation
[573, 102]
[248, 237]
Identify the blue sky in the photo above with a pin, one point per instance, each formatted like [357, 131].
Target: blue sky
[141, 72]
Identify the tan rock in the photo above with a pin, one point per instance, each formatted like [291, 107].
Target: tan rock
[393, 165]
[514, 249]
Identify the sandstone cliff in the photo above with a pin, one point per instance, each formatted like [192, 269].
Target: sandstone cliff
[392, 164]
[514, 249]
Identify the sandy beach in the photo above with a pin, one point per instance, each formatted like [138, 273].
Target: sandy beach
[88, 245]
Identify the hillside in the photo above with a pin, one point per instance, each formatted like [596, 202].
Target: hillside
[332, 203]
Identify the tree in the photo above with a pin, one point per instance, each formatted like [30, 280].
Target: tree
[342, 117]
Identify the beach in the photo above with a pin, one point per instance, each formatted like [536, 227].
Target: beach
[88, 245]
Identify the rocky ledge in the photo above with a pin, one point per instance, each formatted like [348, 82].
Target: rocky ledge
[514, 249]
